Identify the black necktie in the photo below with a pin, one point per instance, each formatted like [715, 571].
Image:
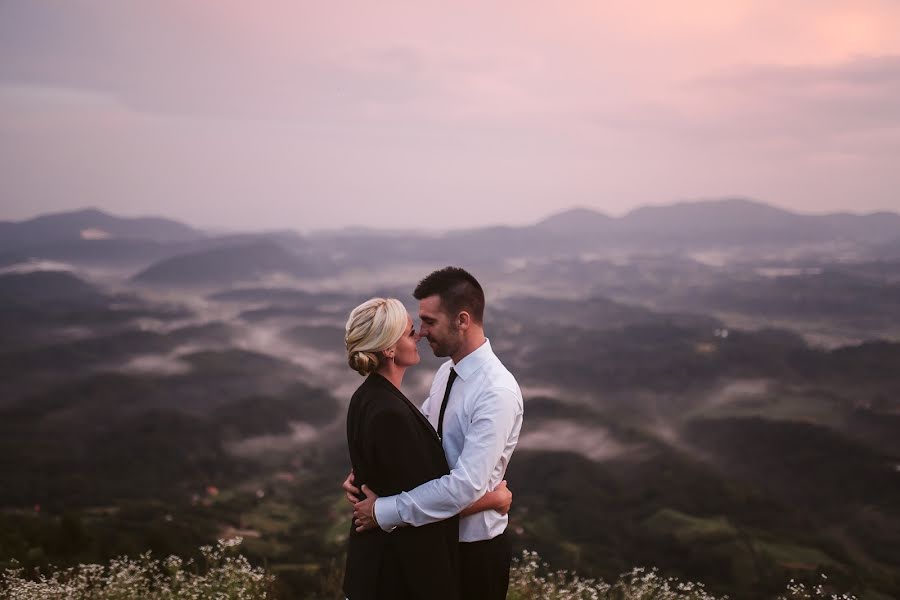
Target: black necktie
[450, 381]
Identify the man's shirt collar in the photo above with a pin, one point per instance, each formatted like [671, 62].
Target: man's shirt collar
[474, 360]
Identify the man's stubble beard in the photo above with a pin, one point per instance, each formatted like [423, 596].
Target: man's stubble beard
[441, 350]
[449, 346]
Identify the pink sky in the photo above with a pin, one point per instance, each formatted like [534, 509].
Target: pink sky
[435, 115]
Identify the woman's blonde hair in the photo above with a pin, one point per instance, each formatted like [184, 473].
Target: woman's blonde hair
[373, 326]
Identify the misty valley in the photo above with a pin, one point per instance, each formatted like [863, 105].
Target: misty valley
[710, 388]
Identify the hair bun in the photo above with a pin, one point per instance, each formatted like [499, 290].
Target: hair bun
[373, 326]
[364, 363]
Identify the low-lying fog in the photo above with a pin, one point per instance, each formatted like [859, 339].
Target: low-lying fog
[300, 322]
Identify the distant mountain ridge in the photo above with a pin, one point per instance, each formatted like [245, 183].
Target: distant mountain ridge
[46, 287]
[576, 218]
[92, 237]
[685, 226]
[92, 223]
[729, 220]
[728, 212]
[229, 264]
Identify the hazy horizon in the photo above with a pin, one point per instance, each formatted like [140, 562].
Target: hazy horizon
[310, 117]
[219, 230]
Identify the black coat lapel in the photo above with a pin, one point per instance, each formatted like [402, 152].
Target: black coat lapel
[412, 407]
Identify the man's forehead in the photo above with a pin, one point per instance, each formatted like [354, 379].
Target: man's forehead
[430, 306]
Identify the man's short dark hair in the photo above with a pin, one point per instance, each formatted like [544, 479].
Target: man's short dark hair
[458, 290]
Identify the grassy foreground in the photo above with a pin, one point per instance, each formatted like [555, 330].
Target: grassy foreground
[224, 574]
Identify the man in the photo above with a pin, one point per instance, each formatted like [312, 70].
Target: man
[476, 407]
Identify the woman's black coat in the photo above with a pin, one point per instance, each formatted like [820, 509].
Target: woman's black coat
[393, 448]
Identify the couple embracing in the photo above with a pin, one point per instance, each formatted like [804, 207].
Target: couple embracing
[427, 485]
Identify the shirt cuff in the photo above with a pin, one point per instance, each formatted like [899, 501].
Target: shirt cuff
[387, 514]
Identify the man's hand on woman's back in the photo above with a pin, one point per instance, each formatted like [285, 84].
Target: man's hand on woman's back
[353, 493]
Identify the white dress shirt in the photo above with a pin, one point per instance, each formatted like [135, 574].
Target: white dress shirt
[481, 428]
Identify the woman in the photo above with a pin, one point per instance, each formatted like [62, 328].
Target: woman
[393, 448]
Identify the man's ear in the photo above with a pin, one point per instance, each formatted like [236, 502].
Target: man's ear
[464, 319]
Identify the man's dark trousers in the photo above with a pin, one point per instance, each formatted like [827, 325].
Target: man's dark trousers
[484, 568]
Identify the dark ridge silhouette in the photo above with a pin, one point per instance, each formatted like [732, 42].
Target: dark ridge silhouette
[576, 219]
[69, 226]
[706, 224]
[47, 287]
[725, 223]
[227, 265]
[724, 211]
